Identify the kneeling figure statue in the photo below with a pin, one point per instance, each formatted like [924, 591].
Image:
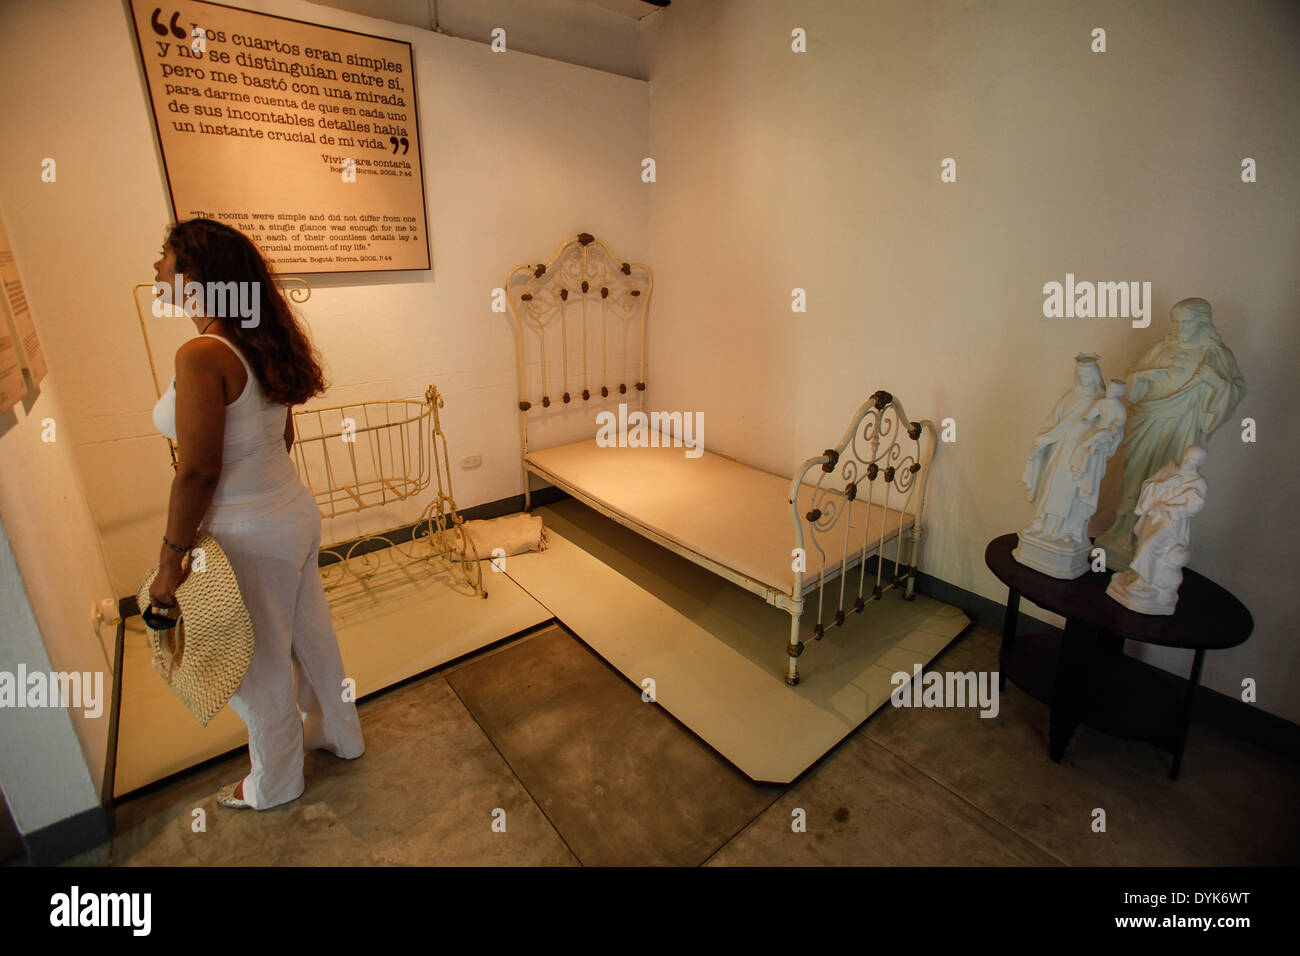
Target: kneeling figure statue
[1168, 501]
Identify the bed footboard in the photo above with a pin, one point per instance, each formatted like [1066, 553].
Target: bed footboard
[881, 462]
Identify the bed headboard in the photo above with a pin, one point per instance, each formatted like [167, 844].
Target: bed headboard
[579, 330]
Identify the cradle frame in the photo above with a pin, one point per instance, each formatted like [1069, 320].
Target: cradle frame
[439, 531]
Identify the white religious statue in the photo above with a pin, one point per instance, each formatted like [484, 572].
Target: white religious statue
[1165, 508]
[1184, 388]
[1064, 470]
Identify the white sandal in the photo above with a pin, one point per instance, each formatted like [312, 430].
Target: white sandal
[226, 797]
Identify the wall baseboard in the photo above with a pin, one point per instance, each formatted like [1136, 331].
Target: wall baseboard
[60, 842]
[11, 841]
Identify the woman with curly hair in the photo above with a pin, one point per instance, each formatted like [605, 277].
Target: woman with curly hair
[230, 411]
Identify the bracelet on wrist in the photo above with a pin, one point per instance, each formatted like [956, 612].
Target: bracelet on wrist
[178, 550]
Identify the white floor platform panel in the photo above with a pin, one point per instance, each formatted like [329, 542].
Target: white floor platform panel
[715, 652]
[400, 623]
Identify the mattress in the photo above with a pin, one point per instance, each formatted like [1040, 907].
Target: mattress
[716, 508]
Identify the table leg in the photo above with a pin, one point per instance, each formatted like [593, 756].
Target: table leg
[1074, 669]
[1008, 635]
[1109, 651]
[1192, 683]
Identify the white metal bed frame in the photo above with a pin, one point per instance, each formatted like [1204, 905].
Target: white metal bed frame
[880, 445]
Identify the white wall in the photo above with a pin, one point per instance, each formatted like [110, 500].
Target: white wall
[775, 171]
[519, 152]
[52, 570]
[821, 171]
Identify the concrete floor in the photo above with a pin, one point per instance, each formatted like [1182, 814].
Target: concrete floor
[542, 735]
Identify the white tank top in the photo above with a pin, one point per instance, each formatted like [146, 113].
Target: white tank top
[255, 468]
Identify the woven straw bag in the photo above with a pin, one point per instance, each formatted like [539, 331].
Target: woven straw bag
[204, 657]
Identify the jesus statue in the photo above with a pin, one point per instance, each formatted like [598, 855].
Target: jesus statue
[1183, 389]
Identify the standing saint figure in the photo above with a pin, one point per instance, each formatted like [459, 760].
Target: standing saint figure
[1166, 506]
[1183, 389]
[1056, 541]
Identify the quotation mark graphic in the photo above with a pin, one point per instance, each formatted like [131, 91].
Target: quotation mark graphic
[404, 142]
[176, 29]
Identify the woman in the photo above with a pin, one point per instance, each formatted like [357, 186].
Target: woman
[229, 409]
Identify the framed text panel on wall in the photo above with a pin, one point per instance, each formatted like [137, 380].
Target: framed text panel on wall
[305, 137]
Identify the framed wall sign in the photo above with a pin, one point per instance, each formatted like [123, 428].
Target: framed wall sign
[304, 137]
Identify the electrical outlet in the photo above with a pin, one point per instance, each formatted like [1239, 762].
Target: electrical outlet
[472, 461]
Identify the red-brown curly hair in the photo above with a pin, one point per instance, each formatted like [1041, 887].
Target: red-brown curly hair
[286, 364]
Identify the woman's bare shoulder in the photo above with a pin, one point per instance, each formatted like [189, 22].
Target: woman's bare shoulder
[205, 352]
[203, 358]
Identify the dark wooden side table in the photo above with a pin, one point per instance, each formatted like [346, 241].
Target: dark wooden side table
[1086, 677]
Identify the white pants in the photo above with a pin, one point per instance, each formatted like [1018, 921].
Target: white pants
[296, 666]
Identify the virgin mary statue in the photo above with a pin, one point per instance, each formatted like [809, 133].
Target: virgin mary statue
[1056, 541]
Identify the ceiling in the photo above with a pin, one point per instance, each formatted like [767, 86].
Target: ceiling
[601, 34]
[636, 9]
